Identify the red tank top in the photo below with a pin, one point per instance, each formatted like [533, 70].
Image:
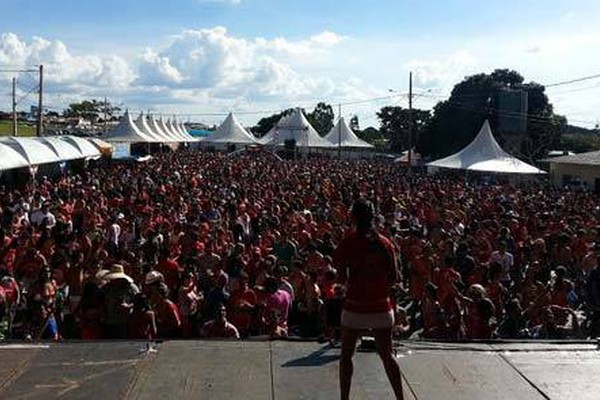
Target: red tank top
[368, 261]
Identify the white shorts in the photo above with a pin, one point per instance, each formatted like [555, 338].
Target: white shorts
[354, 320]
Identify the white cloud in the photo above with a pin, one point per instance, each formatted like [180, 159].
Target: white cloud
[231, 67]
[442, 73]
[205, 66]
[212, 70]
[60, 66]
[327, 38]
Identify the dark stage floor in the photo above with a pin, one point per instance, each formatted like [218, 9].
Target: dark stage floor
[294, 370]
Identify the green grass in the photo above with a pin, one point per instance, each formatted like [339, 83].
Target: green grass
[23, 129]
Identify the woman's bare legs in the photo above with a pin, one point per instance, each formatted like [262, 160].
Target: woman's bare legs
[349, 338]
[383, 341]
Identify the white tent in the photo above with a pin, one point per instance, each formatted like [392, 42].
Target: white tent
[172, 137]
[128, 132]
[231, 131]
[86, 147]
[142, 124]
[66, 151]
[176, 132]
[10, 158]
[485, 154]
[342, 136]
[156, 128]
[269, 136]
[181, 127]
[296, 127]
[33, 150]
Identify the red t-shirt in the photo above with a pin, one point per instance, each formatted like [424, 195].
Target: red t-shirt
[369, 262]
[170, 270]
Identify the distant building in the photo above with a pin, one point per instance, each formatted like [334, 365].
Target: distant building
[577, 170]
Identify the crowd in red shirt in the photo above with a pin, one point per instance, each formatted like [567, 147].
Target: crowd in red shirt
[163, 248]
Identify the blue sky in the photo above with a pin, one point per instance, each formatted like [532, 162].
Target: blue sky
[195, 57]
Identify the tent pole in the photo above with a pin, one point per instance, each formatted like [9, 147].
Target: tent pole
[410, 121]
[340, 130]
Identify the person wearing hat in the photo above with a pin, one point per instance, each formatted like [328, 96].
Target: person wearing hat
[366, 262]
[119, 293]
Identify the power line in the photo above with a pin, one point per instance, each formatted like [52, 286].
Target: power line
[585, 78]
[273, 111]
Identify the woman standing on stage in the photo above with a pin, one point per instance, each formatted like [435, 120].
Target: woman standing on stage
[367, 265]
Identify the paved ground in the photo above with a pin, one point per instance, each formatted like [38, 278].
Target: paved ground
[294, 370]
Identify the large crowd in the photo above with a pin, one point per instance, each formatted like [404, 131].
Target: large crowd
[193, 244]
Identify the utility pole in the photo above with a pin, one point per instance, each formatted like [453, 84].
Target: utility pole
[410, 121]
[40, 120]
[14, 106]
[340, 130]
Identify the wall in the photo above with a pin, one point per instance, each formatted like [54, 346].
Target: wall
[587, 173]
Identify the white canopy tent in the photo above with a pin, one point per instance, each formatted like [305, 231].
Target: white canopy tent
[231, 131]
[168, 129]
[485, 154]
[156, 128]
[342, 136]
[173, 137]
[269, 136]
[180, 126]
[33, 150]
[176, 132]
[128, 132]
[64, 150]
[296, 127]
[142, 124]
[10, 158]
[86, 147]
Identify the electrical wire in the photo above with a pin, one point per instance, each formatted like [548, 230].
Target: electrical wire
[577, 80]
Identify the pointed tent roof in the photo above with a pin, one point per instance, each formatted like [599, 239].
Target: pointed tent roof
[176, 132]
[485, 154]
[231, 131]
[297, 127]
[142, 124]
[155, 127]
[341, 135]
[271, 134]
[173, 137]
[127, 131]
[183, 130]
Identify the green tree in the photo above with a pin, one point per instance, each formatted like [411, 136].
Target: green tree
[395, 126]
[265, 124]
[372, 136]
[321, 118]
[456, 121]
[93, 110]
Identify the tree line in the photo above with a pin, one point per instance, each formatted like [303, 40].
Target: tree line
[448, 127]
[454, 122]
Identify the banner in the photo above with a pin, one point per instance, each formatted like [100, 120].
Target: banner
[121, 150]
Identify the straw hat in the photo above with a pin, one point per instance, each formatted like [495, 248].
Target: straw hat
[117, 272]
